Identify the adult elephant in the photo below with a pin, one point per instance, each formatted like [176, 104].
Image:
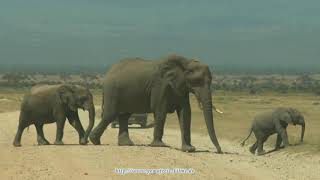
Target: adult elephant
[54, 103]
[159, 87]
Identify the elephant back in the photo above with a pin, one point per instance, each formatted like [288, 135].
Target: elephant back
[43, 88]
[130, 69]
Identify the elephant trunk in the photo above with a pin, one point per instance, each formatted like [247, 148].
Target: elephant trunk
[302, 131]
[91, 121]
[205, 98]
[213, 107]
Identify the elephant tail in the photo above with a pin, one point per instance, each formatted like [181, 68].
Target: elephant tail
[244, 141]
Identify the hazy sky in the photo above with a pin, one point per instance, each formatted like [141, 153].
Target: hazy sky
[99, 32]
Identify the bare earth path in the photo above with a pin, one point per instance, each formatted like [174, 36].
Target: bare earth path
[73, 161]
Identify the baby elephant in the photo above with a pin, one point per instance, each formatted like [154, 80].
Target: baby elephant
[54, 103]
[266, 124]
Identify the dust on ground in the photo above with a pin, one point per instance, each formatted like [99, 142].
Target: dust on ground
[73, 161]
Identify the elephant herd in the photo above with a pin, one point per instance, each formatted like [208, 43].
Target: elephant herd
[136, 85]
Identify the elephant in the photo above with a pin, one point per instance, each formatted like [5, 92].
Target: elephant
[46, 104]
[162, 86]
[213, 107]
[276, 121]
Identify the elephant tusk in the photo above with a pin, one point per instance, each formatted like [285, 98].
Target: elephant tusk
[213, 107]
[219, 111]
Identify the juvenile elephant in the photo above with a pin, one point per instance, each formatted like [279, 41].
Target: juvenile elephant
[159, 87]
[273, 122]
[54, 103]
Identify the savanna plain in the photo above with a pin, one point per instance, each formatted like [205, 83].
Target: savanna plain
[73, 161]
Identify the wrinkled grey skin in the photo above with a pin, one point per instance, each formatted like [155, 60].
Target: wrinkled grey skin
[54, 103]
[266, 124]
[159, 87]
[213, 107]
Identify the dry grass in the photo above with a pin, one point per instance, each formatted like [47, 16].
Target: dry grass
[10, 99]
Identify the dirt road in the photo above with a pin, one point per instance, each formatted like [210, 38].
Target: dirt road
[73, 161]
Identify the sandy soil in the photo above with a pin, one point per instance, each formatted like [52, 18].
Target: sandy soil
[73, 161]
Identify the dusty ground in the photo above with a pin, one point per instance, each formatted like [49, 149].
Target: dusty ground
[73, 161]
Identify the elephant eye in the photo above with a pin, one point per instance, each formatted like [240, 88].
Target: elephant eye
[83, 98]
[196, 82]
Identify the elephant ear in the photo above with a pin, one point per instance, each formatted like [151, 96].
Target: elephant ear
[172, 71]
[287, 116]
[295, 115]
[67, 97]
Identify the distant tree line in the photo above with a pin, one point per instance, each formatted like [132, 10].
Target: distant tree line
[260, 70]
[236, 83]
[259, 84]
[218, 69]
[23, 80]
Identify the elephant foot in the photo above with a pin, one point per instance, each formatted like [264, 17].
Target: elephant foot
[124, 140]
[158, 143]
[253, 151]
[188, 148]
[58, 143]
[260, 153]
[16, 144]
[127, 142]
[94, 140]
[278, 148]
[83, 141]
[219, 151]
[43, 142]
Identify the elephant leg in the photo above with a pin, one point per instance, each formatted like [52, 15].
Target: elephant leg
[97, 132]
[278, 142]
[254, 147]
[260, 145]
[74, 120]
[123, 137]
[17, 139]
[23, 123]
[184, 116]
[40, 136]
[59, 134]
[158, 130]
